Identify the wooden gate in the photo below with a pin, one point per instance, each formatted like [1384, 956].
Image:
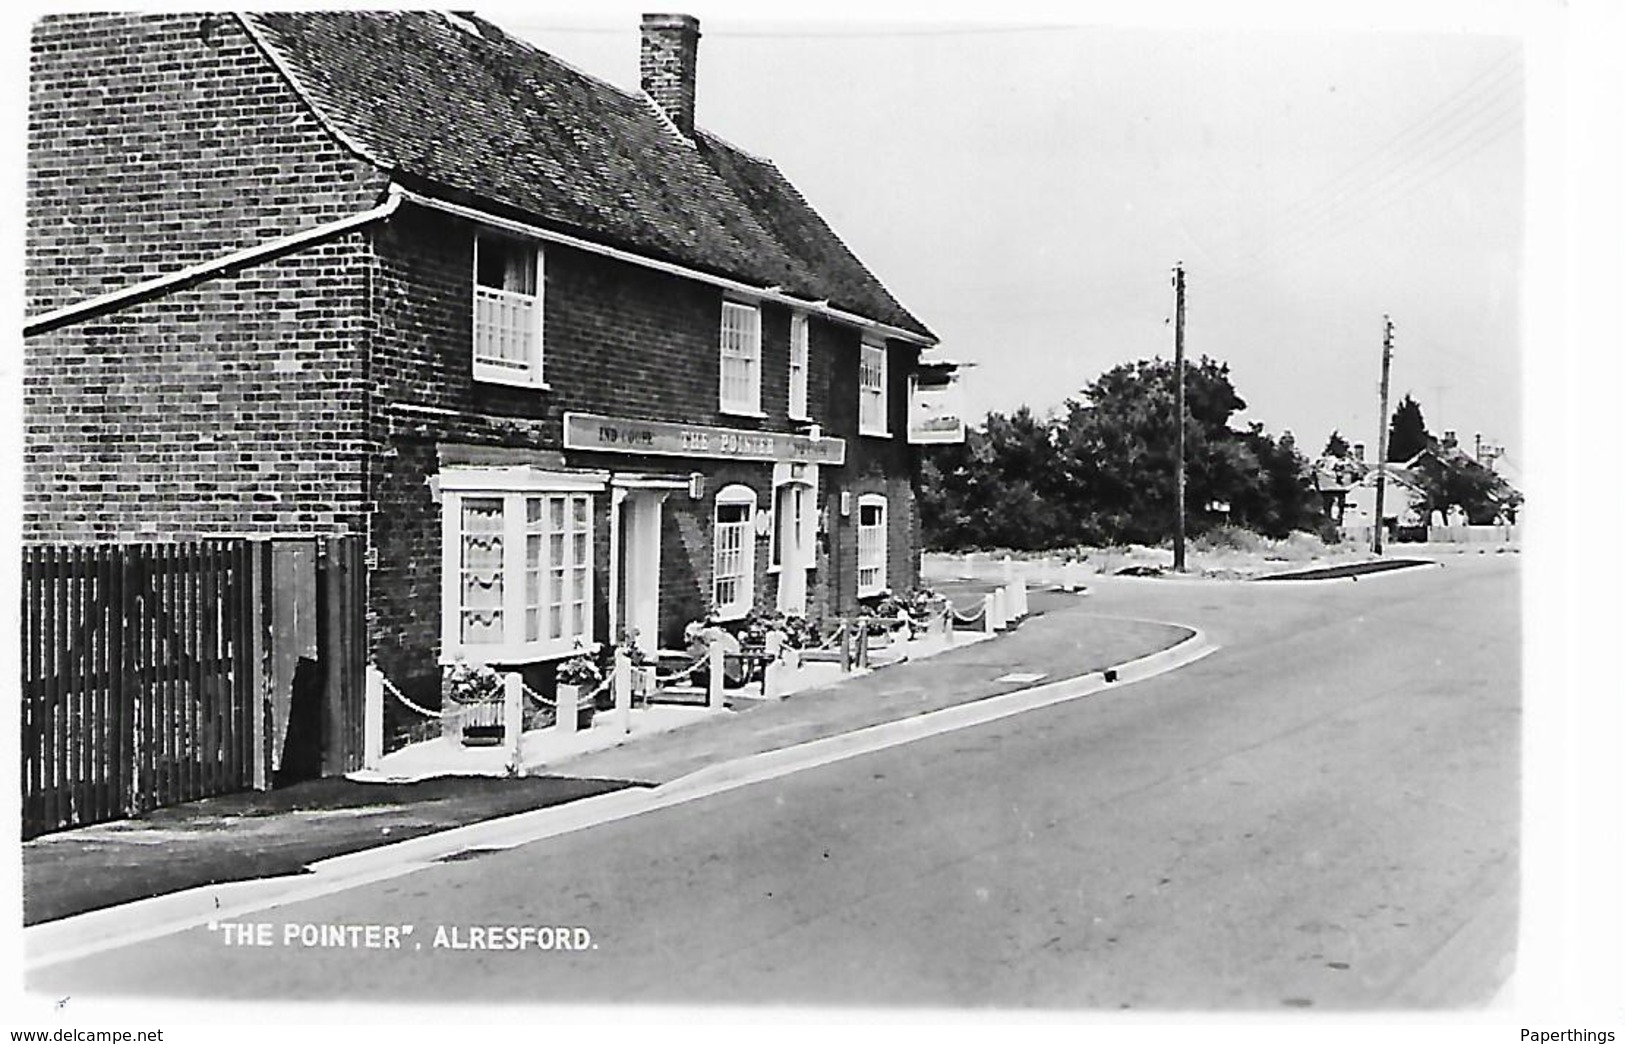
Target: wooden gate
[145, 676]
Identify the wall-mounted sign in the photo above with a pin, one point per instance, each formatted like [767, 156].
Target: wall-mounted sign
[934, 413]
[592, 431]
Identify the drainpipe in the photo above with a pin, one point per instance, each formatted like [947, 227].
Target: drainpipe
[151, 289]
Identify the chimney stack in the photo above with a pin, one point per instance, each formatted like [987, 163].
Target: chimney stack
[1359, 452]
[1449, 440]
[670, 55]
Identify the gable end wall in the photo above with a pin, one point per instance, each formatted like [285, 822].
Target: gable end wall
[158, 142]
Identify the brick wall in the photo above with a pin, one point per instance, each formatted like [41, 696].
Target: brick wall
[619, 339]
[157, 142]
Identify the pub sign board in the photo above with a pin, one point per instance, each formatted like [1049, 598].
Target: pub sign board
[604, 434]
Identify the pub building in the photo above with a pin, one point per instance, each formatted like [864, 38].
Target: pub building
[568, 368]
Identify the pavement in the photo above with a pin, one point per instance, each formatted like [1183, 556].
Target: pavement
[250, 836]
[1321, 814]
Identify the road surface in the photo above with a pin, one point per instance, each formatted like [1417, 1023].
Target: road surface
[1321, 815]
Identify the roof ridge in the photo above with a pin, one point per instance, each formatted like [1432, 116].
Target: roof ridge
[748, 154]
[491, 114]
[667, 122]
[520, 41]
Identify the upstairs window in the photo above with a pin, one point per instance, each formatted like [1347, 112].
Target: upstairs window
[872, 391]
[507, 311]
[733, 561]
[798, 367]
[741, 358]
[871, 545]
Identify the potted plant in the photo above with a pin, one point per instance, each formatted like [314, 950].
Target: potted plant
[476, 691]
[579, 676]
[643, 665]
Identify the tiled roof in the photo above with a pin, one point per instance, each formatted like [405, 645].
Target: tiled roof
[487, 116]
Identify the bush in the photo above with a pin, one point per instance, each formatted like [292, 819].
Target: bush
[1228, 537]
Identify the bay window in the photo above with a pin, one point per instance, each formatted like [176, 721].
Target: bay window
[517, 568]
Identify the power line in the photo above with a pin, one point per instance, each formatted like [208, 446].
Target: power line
[1498, 71]
[1379, 195]
[1441, 124]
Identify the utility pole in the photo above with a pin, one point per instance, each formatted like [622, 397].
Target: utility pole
[1382, 430]
[1179, 416]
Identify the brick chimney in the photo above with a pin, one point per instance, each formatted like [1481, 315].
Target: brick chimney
[671, 45]
[1358, 450]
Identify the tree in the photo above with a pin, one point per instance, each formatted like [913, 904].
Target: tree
[1336, 446]
[1452, 479]
[1103, 471]
[995, 489]
[1117, 446]
[1407, 432]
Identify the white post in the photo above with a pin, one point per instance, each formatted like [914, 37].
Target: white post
[948, 623]
[513, 717]
[1007, 570]
[713, 686]
[1021, 595]
[990, 621]
[566, 709]
[1001, 606]
[621, 685]
[372, 719]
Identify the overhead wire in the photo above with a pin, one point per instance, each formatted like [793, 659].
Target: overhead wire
[1487, 122]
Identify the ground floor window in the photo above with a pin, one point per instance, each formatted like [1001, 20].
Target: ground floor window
[871, 544]
[517, 572]
[734, 552]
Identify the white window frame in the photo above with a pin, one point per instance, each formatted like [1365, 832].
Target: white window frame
[726, 539]
[493, 300]
[740, 343]
[800, 357]
[873, 416]
[514, 488]
[872, 547]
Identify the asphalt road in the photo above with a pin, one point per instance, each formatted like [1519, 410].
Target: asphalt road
[1321, 815]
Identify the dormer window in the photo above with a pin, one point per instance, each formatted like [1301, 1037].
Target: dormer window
[507, 311]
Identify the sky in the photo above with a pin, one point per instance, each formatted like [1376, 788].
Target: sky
[1025, 183]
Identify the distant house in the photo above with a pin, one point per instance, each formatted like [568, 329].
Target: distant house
[1500, 501]
[570, 366]
[1402, 505]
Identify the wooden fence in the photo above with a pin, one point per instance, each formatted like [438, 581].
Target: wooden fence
[145, 674]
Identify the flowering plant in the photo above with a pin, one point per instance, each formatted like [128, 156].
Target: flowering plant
[629, 641]
[581, 670]
[467, 683]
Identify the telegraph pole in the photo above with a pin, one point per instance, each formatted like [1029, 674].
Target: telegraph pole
[1382, 430]
[1179, 416]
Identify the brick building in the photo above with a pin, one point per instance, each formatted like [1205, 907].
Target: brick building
[571, 366]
